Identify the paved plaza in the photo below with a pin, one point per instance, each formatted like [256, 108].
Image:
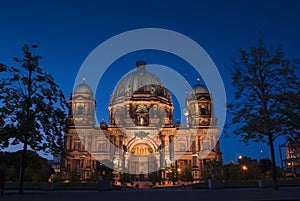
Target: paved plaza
[286, 193]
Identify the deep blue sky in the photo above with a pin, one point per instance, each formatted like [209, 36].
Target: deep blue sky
[67, 31]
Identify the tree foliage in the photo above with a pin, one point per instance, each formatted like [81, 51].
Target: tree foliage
[31, 107]
[36, 166]
[247, 169]
[125, 178]
[104, 170]
[186, 174]
[232, 172]
[267, 90]
[155, 177]
[265, 165]
[213, 169]
[265, 83]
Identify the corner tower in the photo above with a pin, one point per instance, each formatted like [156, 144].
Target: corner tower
[82, 107]
[200, 108]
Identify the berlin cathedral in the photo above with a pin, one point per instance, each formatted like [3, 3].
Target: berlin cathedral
[140, 136]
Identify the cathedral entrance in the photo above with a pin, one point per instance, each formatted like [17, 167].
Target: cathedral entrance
[142, 161]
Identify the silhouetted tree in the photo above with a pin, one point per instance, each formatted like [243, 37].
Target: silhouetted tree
[213, 169]
[36, 166]
[265, 166]
[187, 174]
[32, 108]
[125, 178]
[155, 177]
[294, 142]
[249, 168]
[172, 175]
[75, 176]
[232, 172]
[104, 169]
[266, 91]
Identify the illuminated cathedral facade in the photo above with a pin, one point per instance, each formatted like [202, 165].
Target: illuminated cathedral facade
[140, 136]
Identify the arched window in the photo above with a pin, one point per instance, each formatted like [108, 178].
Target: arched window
[80, 109]
[101, 147]
[77, 146]
[141, 149]
[203, 109]
[182, 146]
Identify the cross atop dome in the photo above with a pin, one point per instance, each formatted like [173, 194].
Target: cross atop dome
[141, 65]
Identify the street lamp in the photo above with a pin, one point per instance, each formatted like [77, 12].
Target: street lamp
[244, 168]
[178, 170]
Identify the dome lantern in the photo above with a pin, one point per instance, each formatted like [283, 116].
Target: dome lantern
[141, 65]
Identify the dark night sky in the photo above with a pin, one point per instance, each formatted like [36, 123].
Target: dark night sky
[67, 31]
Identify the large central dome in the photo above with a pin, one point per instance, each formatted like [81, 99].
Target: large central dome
[141, 99]
[140, 82]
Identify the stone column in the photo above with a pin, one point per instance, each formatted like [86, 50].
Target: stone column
[201, 168]
[116, 143]
[112, 149]
[162, 152]
[126, 161]
[171, 147]
[120, 145]
[127, 111]
[71, 142]
[194, 151]
[84, 143]
[67, 141]
[199, 143]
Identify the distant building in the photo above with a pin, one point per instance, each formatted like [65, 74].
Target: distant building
[140, 136]
[55, 163]
[291, 164]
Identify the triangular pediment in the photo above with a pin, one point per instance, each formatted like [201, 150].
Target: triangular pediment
[208, 154]
[75, 154]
